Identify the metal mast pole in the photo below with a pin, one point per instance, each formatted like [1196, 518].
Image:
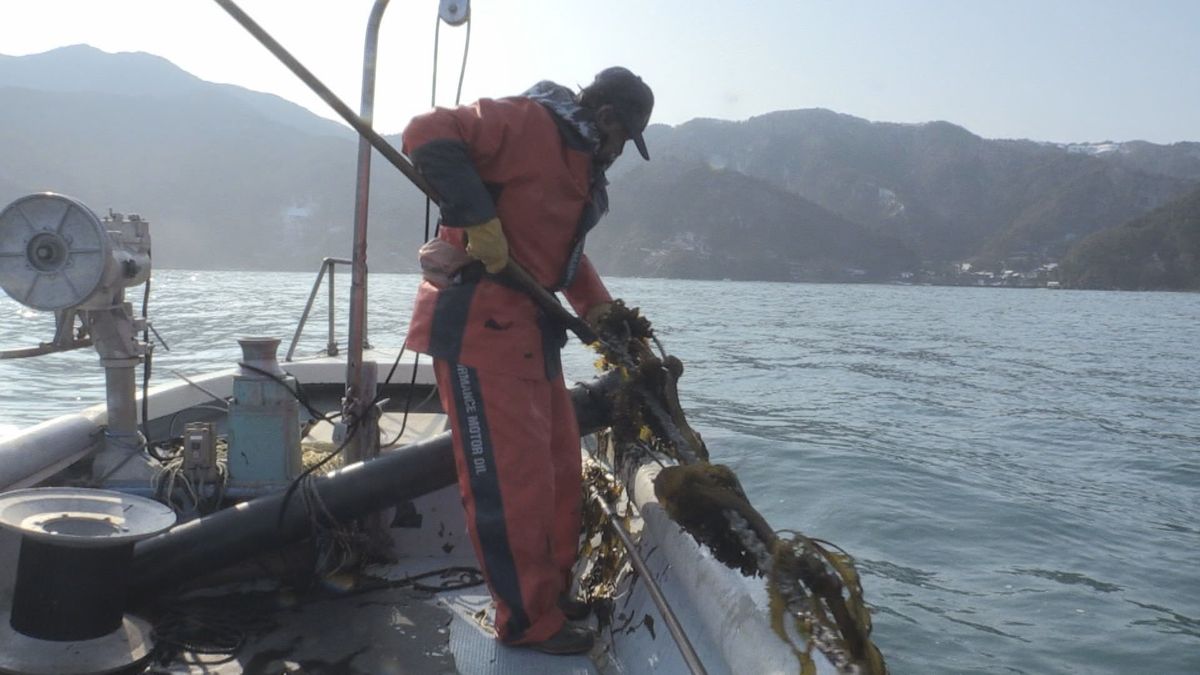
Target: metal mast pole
[514, 272]
[360, 389]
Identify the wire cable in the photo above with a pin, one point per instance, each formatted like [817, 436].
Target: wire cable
[454, 578]
[200, 406]
[437, 32]
[351, 431]
[294, 392]
[463, 71]
[147, 368]
[412, 384]
[428, 205]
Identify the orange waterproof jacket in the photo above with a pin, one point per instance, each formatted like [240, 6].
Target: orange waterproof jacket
[516, 159]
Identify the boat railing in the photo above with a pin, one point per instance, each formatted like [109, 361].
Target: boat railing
[328, 265]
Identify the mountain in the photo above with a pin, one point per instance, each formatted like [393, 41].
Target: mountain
[227, 177]
[1160, 250]
[231, 178]
[1181, 160]
[943, 191]
[82, 68]
[681, 219]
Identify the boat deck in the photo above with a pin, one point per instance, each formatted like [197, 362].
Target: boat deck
[390, 630]
[254, 620]
[265, 626]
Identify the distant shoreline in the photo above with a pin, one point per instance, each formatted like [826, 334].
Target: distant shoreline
[313, 272]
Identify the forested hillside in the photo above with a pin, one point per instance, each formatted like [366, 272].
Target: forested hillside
[1160, 250]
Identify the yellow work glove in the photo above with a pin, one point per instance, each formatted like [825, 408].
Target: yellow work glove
[486, 243]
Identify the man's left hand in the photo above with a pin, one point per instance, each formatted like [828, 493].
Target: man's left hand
[486, 242]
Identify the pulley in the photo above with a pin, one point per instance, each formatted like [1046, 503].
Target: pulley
[55, 253]
[454, 12]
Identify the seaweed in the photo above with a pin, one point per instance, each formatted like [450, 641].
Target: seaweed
[814, 590]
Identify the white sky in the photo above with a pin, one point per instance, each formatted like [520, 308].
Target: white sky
[1060, 70]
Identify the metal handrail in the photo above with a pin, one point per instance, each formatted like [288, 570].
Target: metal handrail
[678, 634]
[331, 347]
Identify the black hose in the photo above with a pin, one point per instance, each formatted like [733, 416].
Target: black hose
[228, 536]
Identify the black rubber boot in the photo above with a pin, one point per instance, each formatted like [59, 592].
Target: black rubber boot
[568, 640]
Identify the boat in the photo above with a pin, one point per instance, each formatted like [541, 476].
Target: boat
[300, 513]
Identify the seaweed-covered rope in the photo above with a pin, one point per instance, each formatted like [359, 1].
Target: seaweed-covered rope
[818, 589]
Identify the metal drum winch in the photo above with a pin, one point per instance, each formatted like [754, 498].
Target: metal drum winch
[72, 585]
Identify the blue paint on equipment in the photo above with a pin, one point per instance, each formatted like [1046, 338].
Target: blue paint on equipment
[264, 419]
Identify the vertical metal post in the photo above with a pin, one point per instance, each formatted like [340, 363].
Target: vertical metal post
[331, 347]
[114, 333]
[120, 390]
[366, 442]
[331, 342]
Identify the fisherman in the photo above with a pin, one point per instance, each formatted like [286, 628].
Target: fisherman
[523, 177]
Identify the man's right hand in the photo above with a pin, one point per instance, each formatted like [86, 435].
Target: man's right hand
[486, 242]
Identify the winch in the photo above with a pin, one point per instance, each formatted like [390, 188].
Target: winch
[57, 255]
[264, 419]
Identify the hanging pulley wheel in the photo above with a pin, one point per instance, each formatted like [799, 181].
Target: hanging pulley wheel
[454, 12]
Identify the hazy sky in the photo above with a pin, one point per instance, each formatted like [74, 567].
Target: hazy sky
[1058, 70]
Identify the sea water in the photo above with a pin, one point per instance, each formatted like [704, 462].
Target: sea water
[1016, 472]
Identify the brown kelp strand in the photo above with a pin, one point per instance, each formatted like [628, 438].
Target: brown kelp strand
[814, 591]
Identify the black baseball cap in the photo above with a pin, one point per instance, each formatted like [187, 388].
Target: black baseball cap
[630, 97]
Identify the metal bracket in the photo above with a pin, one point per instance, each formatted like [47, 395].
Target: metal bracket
[67, 336]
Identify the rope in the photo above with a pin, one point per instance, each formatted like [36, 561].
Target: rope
[819, 590]
[199, 631]
[453, 579]
[334, 543]
[173, 474]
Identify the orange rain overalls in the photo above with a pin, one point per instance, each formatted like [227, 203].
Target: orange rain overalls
[516, 441]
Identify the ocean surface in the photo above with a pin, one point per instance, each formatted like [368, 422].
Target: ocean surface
[1017, 472]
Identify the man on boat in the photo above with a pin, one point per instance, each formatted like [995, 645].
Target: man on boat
[521, 177]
